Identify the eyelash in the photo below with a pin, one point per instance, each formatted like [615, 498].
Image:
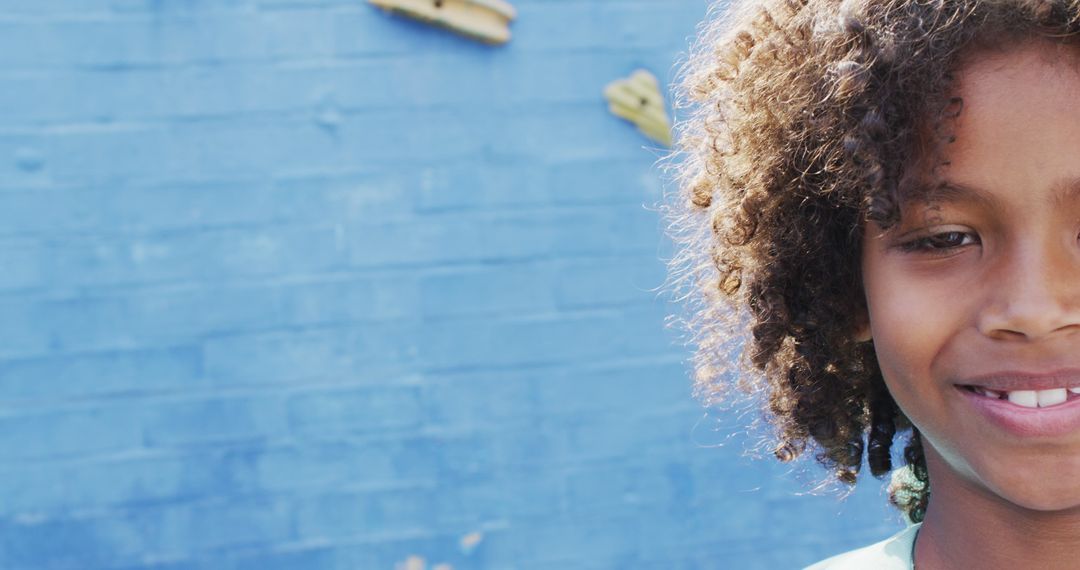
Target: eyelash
[930, 243]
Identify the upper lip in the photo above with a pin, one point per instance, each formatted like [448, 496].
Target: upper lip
[1011, 380]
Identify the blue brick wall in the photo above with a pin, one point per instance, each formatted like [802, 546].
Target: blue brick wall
[295, 284]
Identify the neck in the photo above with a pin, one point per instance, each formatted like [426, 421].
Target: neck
[968, 526]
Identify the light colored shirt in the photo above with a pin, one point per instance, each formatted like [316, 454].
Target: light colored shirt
[894, 553]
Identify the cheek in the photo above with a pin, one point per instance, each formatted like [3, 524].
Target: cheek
[903, 359]
[911, 323]
[906, 349]
[898, 314]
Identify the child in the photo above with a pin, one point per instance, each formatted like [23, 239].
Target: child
[881, 199]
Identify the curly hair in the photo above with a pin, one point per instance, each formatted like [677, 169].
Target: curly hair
[805, 119]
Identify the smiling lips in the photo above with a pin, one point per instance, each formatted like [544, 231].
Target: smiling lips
[1030, 398]
[1028, 390]
[1027, 405]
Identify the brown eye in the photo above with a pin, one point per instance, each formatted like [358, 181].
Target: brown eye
[947, 240]
[941, 242]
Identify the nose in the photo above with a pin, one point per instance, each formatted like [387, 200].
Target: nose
[1036, 294]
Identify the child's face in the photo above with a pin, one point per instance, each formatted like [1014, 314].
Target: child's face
[981, 287]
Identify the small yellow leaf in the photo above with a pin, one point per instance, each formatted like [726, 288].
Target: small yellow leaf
[638, 100]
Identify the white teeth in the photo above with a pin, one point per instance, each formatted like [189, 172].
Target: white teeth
[1030, 398]
[1025, 398]
[1051, 397]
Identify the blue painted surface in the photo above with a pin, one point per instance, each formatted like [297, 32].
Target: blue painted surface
[295, 284]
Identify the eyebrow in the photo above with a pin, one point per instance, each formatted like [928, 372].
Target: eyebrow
[1062, 192]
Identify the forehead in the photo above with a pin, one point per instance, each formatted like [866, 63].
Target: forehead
[1036, 78]
[1015, 136]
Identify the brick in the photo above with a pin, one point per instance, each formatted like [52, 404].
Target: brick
[241, 147]
[572, 77]
[125, 210]
[167, 9]
[626, 182]
[118, 42]
[550, 26]
[23, 266]
[62, 543]
[239, 521]
[341, 354]
[619, 486]
[193, 255]
[216, 420]
[354, 410]
[600, 540]
[598, 436]
[184, 314]
[515, 288]
[89, 375]
[571, 131]
[335, 463]
[130, 481]
[18, 336]
[501, 236]
[341, 515]
[70, 431]
[53, 8]
[309, 557]
[513, 183]
[535, 340]
[395, 548]
[24, 160]
[301, 284]
[609, 387]
[608, 281]
[606, 25]
[159, 532]
[495, 399]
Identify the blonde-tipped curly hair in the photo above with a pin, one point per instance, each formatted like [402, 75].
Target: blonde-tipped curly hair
[803, 121]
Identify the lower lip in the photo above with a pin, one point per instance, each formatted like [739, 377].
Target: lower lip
[1053, 421]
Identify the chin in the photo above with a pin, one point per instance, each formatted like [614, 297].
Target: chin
[1037, 488]
[1044, 479]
